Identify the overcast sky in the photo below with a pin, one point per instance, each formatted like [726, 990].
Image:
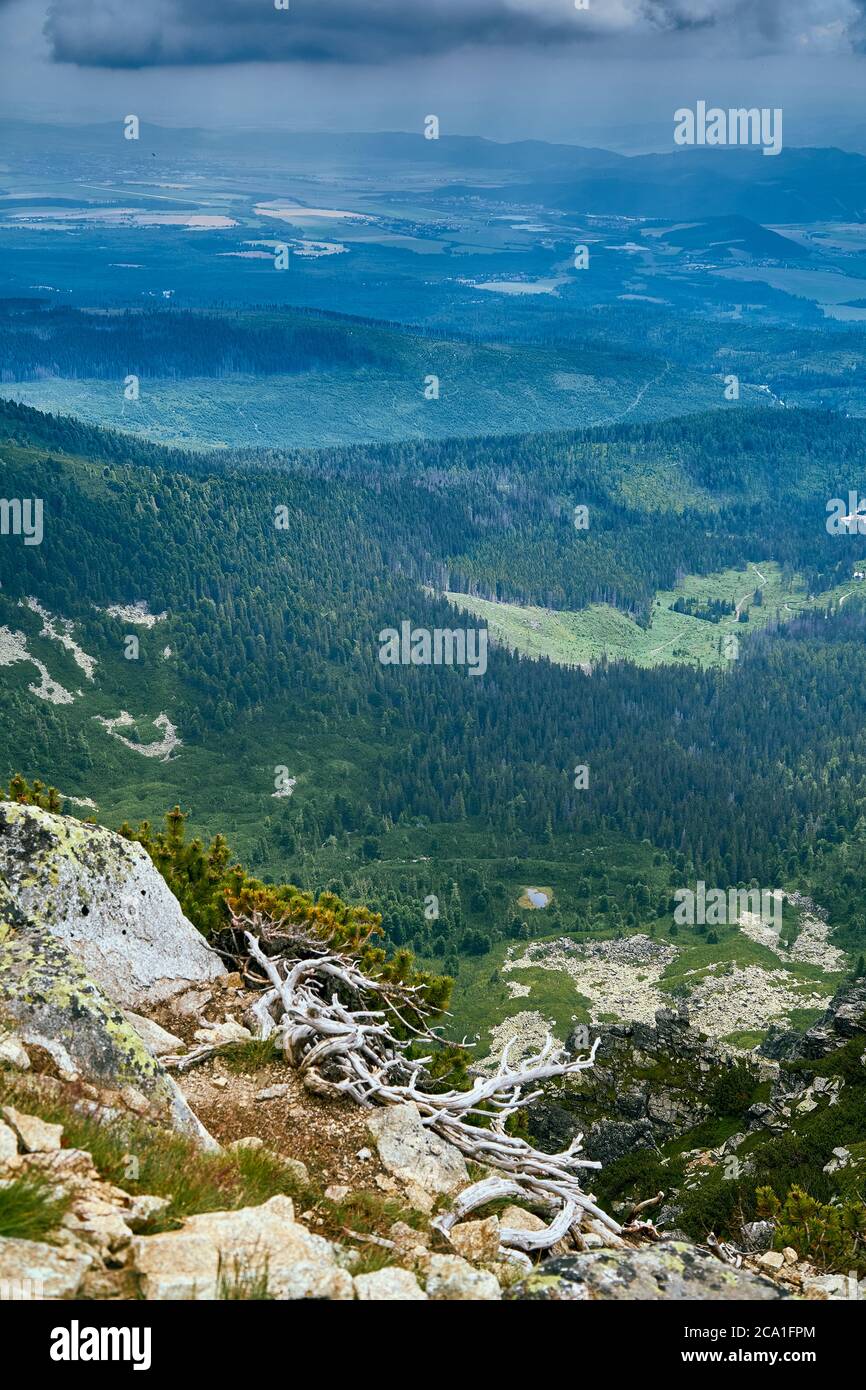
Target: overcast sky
[510, 69]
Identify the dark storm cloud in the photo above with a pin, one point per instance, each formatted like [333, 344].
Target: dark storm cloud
[113, 33]
[119, 34]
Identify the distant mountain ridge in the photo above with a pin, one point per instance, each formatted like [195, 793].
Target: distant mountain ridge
[800, 184]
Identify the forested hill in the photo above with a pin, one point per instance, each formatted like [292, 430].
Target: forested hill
[274, 635]
[694, 495]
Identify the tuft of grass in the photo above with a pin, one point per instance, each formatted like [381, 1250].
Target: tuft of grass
[245, 1280]
[366, 1213]
[30, 1208]
[245, 1057]
[371, 1258]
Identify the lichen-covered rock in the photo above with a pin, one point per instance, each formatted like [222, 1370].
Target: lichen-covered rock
[416, 1155]
[223, 1253]
[13, 1053]
[672, 1271]
[101, 896]
[56, 1006]
[832, 1287]
[476, 1240]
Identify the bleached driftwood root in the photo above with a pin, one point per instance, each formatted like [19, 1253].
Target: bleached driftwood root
[349, 1048]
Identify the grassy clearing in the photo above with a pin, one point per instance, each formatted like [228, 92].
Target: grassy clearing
[599, 631]
[481, 998]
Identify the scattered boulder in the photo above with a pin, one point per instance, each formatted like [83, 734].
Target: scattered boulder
[833, 1287]
[389, 1285]
[13, 1053]
[219, 1034]
[8, 1143]
[273, 1092]
[156, 1039]
[99, 1223]
[222, 1249]
[32, 1271]
[476, 1240]
[35, 1136]
[519, 1219]
[668, 1271]
[143, 1208]
[841, 1159]
[772, 1260]
[414, 1154]
[451, 1278]
[411, 1244]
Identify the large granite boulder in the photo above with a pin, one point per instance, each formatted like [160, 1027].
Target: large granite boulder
[86, 923]
[101, 896]
[414, 1154]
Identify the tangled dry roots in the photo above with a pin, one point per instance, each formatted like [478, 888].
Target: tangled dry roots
[348, 1033]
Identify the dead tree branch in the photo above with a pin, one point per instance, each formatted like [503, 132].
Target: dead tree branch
[348, 1033]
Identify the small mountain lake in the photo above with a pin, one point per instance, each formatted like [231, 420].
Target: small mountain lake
[535, 897]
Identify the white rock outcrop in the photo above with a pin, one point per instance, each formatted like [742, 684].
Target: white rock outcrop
[391, 1285]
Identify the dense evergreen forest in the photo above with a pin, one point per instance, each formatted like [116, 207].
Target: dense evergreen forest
[754, 773]
[39, 340]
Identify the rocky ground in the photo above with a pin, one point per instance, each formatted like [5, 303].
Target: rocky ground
[151, 1147]
[622, 979]
[102, 1248]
